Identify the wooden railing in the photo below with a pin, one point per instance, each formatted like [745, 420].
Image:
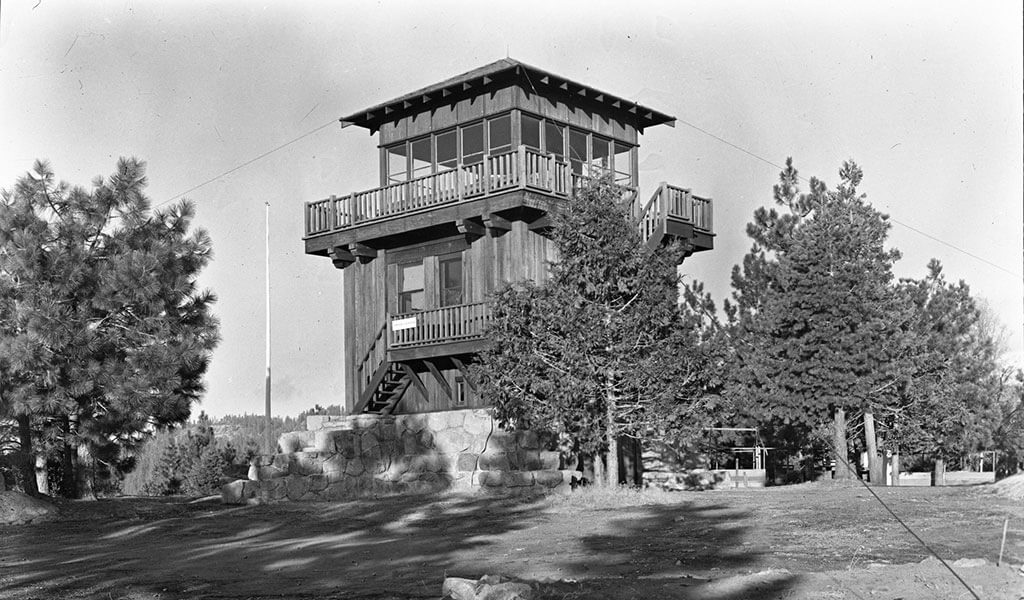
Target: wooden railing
[375, 355]
[516, 169]
[522, 168]
[439, 325]
[675, 203]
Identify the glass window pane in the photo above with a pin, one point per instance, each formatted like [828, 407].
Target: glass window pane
[554, 140]
[473, 143]
[577, 150]
[530, 127]
[420, 150]
[397, 163]
[623, 164]
[411, 277]
[410, 302]
[600, 156]
[451, 281]
[447, 151]
[500, 134]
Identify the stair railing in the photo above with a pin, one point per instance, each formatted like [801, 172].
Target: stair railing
[375, 355]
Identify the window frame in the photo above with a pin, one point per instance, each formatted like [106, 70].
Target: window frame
[446, 259]
[401, 293]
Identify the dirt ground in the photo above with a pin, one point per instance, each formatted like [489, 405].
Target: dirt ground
[798, 542]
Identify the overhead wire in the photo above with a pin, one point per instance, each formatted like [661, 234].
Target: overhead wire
[891, 218]
[683, 121]
[248, 162]
[917, 537]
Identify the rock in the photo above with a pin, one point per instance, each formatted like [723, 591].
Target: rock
[294, 441]
[467, 461]
[550, 460]
[308, 463]
[315, 422]
[296, 486]
[236, 492]
[487, 478]
[494, 461]
[479, 422]
[17, 508]
[457, 588]
[517, 478]
[489, 587]
[548, 478]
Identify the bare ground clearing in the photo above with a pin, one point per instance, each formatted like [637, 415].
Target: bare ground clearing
[798, 542]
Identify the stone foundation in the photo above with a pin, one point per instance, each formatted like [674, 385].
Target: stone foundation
[348, 456]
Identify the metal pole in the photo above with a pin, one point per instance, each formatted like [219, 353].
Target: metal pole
[269, 441]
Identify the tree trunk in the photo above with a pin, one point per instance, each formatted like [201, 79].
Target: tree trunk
[839, 444]
[939, 474]
[28, 471]
[599, 479]
[85, 473]
[69, 463]
[610, 402]
[875, 471]
[42, 475]
[895, 461]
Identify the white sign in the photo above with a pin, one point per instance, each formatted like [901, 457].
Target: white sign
[402, 324]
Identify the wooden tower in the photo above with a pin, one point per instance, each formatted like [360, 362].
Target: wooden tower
[470, 169]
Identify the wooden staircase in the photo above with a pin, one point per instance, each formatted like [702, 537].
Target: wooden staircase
[384, 391]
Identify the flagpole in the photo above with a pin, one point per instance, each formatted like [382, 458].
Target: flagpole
[269, 441]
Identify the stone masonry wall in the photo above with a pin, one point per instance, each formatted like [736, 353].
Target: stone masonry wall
[347, 456]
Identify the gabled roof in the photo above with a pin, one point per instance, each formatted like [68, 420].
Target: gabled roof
[504, 71]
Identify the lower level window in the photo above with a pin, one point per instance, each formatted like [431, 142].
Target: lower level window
[410, 288]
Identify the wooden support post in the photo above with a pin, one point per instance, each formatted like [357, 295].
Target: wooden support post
[332, 213]
[470, 228]
[461, 366]
[416, 381]
[447, 389]
[542, 224]
[363, 252]
[341, 257]
[496, 225]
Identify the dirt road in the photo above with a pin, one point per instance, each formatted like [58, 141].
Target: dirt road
[799, 542]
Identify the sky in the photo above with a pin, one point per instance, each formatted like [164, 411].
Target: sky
[925, 96]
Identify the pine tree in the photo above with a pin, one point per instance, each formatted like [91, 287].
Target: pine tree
[103, 332]
[950, 407]
[598, 351]
[816, 319]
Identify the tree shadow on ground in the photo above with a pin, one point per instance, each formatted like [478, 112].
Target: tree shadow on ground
[390, 547]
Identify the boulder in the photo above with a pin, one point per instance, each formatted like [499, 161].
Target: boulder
[457, 588]
[489, 587]
[238, 492]
[17, 508]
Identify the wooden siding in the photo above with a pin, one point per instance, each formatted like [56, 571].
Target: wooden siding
[487, 103]
[370, 293]
[448, 115]
[589, 118]
[364, 295]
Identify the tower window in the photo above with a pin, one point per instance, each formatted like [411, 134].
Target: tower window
[451, 280]
[530, 130]
[473, 144]
[499, 134]
[410, 288]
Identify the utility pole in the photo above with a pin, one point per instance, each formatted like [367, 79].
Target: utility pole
[269, 441]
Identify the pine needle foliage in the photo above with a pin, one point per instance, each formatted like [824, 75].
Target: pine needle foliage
[104, 333]
[600, 349]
